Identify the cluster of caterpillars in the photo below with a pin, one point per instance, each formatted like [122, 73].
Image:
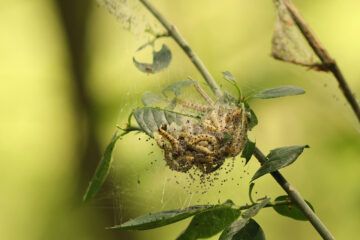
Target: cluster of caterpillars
[205, 144]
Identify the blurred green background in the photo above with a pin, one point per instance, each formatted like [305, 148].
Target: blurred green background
[67, 79]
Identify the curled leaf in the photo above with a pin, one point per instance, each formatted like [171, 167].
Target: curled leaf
[251, 187]
[161, 60]
[288, 44]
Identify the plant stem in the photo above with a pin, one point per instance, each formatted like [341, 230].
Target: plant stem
[203, 93]
[328, 62]
[292, 192]
[271, 204]
[297, 199]
[175, 34]
[171, 111]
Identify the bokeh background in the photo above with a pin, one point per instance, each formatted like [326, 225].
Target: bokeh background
[67, 79]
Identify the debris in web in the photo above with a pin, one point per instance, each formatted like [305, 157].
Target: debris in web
[132, 16]
[288, 44]
[161, 60]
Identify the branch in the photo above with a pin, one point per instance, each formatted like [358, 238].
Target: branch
[174, 33]
[328, 62]
[292, 192]
[297, 199]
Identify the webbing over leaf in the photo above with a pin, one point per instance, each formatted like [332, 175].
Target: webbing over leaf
[151, 119]
[288, 44]
[159, 219]
[161, 60]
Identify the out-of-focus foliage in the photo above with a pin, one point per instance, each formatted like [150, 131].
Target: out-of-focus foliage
[37, 120]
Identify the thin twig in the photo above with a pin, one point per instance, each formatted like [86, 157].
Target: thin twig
[203, 93]
[292, 192]
[174, 33]
[297, 199]
[328, 62]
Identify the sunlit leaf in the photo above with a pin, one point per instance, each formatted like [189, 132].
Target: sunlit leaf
[252, 211]
[279, 158]
[151, 119]
[248, 150]
[101, 171]
[282, 91]
[209, 223]
[288, 44]
[177, 86]
[243, 229]
[159, 219]
[161, 60]
[291, 210]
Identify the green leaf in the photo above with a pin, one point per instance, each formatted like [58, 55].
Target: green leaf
[251, 187]
[227, 137]
[243, 229]
[248, 150]
[150, 99]
[209, 223]
[228, 76]
[279, 158]
[177, 86]
[159, 219]
[282, 91]
[101, 171]
[161, 60]
[251, 117]
[151, 119]
[251, 212]
[291, 210]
